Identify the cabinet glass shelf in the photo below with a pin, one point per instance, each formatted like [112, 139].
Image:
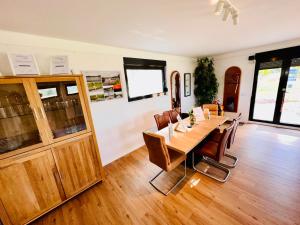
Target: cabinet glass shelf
[18, 127]
[62, 107]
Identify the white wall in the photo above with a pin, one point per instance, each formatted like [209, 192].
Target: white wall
[240, 59]
[119, 124]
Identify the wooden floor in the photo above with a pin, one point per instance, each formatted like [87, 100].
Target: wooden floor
[263, 189]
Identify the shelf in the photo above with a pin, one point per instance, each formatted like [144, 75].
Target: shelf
[19, 143]
[12, 117]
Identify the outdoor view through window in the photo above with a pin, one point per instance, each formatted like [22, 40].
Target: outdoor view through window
[267, 89]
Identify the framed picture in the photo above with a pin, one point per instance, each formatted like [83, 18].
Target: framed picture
[23, 64]
[103, 85]
[59, 65]
[187, 84]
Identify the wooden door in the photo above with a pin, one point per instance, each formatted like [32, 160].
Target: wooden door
[62, 105]
[20, 127]
[29, 185]
[175, 91]
[78, 163]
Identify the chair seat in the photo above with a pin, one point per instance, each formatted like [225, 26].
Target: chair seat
[209, 149]
[176, 158]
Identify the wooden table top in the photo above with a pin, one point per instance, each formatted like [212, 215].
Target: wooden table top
[185, 142]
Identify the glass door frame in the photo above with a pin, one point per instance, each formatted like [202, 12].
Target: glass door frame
[30, 96]
[286, 55]
[43, 112]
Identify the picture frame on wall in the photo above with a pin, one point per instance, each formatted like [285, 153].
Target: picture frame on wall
[187, 84]
[103, 85]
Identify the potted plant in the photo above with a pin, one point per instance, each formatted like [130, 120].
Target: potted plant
[206, 83]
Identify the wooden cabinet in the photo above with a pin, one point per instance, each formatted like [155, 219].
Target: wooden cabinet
[48, 149]
[29, 186]
[77, 164]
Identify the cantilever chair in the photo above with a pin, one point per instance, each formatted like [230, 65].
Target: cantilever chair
[173, 115]
[232, 135]
[163, 157]
[213, 152]
[216, 135]
[213, 109]
[163, 120]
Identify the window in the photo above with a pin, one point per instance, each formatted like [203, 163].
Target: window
[276, 87]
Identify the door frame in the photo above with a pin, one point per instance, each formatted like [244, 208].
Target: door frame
[175, 75]
[286, 55]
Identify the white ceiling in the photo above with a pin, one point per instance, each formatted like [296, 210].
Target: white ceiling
[181, 27]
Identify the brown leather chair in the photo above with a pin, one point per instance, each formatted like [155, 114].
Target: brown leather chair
[217, 132]
[213, 109]
[231, 141]
[232, 135]
[173, 115]
[213, 152]
[216, 136]
[163, 157]
[163, 120]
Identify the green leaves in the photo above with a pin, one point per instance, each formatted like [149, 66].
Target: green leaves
[206, 84]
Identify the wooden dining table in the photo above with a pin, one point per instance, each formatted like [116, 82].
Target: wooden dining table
[184, 142]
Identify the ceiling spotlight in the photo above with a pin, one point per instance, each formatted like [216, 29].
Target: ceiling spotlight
[235, 19]
[225, 7]
[234, 15]
[227, 10]
[219, 7]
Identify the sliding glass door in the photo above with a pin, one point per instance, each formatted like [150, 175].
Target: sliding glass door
[276, 88]
[266, 91]
[290, 111]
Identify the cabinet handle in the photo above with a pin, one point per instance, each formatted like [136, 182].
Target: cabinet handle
[58, 184]
[56, 175]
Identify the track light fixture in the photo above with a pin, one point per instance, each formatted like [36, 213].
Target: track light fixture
[219, 7]
[226, 8]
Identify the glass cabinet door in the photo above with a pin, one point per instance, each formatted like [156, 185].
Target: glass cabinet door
[18, 127]
[62, 106]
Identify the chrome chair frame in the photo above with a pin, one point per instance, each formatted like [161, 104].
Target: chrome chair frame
[214, 164]
[231, 157]
[235, 159]
[174, 186]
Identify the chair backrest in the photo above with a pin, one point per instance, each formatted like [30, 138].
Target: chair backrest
[173, 115]
[224, 140]
[213, 108]
[163, 120]
[232, 135]
[157, 149]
